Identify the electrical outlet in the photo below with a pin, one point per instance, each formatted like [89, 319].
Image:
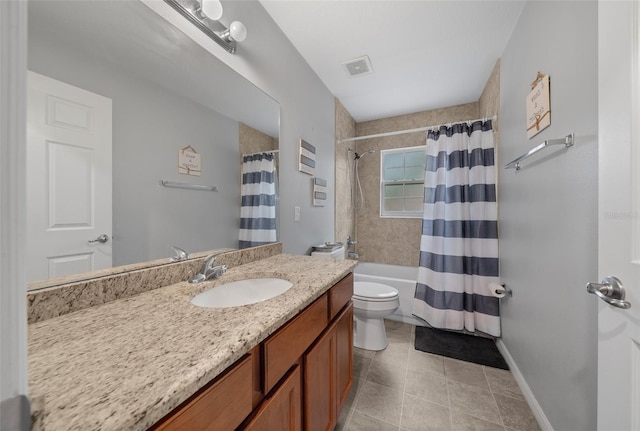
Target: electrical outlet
[296, 213]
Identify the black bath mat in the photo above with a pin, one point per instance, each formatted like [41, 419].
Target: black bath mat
[468, 348]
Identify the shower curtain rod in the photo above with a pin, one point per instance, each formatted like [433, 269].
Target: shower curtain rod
[419, 129]
[261, 152]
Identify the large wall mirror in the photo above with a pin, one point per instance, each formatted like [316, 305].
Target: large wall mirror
[166, 93]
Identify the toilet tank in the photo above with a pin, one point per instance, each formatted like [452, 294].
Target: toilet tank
[333, 253]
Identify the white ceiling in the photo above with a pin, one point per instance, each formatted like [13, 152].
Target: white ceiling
[425, 54]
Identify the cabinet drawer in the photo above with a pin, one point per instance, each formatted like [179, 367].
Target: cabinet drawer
[339, 295]
[221, 406]
[283, 348]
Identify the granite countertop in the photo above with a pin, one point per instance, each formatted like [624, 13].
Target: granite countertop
[125, 364]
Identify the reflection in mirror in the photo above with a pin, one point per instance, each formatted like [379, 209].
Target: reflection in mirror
[169, 101]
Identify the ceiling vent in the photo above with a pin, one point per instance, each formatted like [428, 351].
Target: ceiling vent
[358, 66]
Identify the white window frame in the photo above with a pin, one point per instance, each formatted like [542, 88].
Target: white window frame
[404, 213]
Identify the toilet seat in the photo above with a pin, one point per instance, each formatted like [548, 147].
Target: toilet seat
[375, 292]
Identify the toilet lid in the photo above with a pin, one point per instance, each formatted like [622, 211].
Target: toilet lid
[373, 291]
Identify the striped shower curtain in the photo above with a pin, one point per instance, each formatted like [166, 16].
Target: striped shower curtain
[459, 243]
[258, 221]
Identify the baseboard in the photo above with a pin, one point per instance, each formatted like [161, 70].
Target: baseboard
[402, 318]
[537, 411]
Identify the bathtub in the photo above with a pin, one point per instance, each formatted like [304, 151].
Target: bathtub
[402, 278]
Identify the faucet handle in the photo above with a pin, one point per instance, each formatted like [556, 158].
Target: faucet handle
[208, 263]
[205, 269]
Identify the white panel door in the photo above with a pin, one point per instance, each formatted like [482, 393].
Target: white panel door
[68, 179]
[618, 214]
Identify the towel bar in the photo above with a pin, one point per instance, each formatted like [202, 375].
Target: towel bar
[567, 141]
[188, 186]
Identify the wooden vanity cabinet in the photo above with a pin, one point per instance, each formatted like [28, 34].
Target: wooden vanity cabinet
[297, 379]
[328, 373]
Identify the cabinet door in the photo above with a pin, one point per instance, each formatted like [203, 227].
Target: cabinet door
[286, 346]
[320, 383]
[221, 405]
[344, 354]
[281, 411]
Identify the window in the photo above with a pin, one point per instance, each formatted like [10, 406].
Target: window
[402, 182]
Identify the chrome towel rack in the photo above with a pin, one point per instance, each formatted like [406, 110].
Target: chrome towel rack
[567, 141]
[188, 186]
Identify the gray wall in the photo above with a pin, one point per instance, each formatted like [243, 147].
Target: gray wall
[548, 211]
[150, 125]
[268, 59]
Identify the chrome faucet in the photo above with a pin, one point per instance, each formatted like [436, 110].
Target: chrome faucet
[180, 254]
[209, 270]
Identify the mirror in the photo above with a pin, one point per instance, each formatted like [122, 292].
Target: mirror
[167, 93]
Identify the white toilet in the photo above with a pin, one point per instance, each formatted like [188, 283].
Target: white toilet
[371, 303]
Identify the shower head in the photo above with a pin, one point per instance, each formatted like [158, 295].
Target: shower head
[359, 156]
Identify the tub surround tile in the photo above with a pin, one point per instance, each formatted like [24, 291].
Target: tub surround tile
[112, 284]
[37, 413]
[252, 141]
[344, 214]
[124, 364]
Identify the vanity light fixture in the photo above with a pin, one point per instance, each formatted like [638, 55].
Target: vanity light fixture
[205, 15]
[211, 9]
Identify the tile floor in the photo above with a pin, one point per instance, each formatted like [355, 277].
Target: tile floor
[403, 389]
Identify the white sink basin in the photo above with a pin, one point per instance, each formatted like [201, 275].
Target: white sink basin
[242, 292]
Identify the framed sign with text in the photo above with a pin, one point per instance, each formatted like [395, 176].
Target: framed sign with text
[189, 161]
[538, 106]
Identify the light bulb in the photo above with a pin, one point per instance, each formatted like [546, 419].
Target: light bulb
[237, 31]
[212, 9]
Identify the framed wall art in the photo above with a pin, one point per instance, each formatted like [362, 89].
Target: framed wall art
[307, 158]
